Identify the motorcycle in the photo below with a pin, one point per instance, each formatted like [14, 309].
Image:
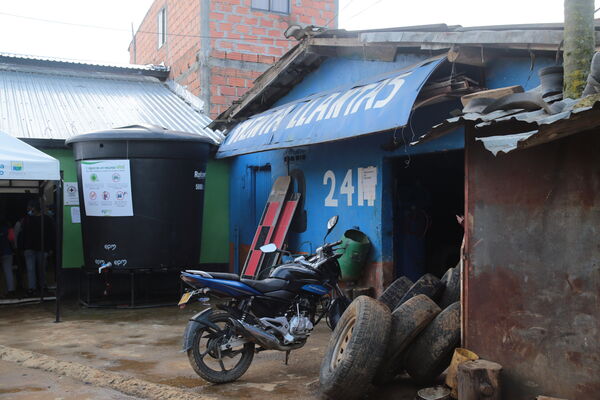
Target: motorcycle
[246, 316]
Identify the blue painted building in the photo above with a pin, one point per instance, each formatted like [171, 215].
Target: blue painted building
[357, 161]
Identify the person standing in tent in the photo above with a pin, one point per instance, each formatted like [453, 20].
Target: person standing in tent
[7, 240]
[30, 241]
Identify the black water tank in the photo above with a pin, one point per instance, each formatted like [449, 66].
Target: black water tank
[156, 221]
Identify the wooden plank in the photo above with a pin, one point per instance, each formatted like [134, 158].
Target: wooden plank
[492, 93]
[266, 227]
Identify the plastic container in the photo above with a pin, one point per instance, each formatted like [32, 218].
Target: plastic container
[460, 356]
[162, 228]
[355, 248]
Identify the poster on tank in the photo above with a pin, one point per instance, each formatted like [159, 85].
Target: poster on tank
[107, 188]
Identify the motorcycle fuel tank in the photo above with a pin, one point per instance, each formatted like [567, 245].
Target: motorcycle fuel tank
[293, 272]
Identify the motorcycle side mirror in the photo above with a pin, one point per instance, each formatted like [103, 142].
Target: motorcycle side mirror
[330, 225]
[268, 248]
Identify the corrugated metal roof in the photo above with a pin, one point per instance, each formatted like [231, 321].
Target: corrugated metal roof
[507, 130]
[54, 104]
[29, 59]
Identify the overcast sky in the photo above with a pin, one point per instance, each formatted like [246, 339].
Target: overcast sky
[37, 37]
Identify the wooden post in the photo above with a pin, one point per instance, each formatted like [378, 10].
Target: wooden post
[479, 379]
[579, 45]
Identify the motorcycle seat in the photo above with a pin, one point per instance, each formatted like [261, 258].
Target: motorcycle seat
[225, 275]
[266, 285]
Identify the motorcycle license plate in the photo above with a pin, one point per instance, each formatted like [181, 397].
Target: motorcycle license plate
[185, 298]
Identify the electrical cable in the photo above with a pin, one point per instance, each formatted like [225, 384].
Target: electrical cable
[338, 13]
[139, 31]
[365, 9]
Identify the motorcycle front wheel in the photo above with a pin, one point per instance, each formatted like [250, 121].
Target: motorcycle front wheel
[210, 354]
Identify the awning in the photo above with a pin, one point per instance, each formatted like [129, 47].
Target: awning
[374, 105]
[20, 161]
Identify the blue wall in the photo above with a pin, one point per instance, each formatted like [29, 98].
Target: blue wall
[343, 156]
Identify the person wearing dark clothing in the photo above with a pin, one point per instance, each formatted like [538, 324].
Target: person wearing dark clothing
[6, 255]
[30, 241]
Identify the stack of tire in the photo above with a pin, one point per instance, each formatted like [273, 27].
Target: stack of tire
[411, 327]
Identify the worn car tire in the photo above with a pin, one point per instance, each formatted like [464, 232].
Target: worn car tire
[451, 292]
[392, 294]
[431, 352]
[428, 284]
[408, 320]
[355, 349]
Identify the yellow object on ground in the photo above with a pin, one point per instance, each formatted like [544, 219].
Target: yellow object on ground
[460, 356]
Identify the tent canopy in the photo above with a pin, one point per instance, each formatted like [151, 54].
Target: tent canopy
[20, 161]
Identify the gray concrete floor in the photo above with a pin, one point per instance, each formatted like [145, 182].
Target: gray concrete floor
[145, 344]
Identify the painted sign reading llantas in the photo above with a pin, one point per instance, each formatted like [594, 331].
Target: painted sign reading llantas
[107, 188]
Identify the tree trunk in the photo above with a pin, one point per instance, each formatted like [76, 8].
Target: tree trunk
[479, 380]
[579, 44]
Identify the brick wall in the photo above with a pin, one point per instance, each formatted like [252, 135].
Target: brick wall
[242, 43]
[179, 52]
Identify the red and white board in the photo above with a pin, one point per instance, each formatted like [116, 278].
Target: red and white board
[266, 227]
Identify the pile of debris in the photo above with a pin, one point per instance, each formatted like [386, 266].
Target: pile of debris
[411, 327]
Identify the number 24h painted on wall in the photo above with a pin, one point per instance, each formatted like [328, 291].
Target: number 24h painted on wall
[366, 190]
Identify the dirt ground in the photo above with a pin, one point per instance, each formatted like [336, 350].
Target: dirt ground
[22, 383]
[145, 344]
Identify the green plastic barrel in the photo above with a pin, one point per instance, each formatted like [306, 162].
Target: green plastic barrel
[355, 248]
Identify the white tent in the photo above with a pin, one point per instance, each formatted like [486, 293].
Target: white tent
[20, 161]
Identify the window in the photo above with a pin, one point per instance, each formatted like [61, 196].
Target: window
[278, 6]
[162, 27]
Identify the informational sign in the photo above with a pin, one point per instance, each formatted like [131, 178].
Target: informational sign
[75, 215]
[366, 190]
[367, 184]
[107, 188]
[376, 104]
[71, 194]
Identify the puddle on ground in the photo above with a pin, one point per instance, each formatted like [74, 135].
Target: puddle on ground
[132, 365]
[87, 354]
[135, 336]
[181, 381]
[21, 389]
[175, 340]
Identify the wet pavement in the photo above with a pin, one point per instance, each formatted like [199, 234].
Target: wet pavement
[145, 344]
[22, 383]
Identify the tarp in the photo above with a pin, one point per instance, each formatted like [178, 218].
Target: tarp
[20, 161]
[374, 105]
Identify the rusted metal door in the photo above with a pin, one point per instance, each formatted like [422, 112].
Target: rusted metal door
[532, 284]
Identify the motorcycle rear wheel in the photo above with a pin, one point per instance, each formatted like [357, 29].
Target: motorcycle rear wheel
[211, 362]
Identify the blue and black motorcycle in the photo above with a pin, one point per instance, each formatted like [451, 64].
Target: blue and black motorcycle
[248, 316]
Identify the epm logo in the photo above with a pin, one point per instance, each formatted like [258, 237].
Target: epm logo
[16, 166]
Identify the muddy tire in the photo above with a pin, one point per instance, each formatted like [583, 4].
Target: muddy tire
[428, 284]
[431, 352]
[408, 320]
[355, 349]
[209, 361]
[392, 294]
[451, 281]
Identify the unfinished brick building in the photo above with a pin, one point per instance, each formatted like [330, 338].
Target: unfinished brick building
[218, 47]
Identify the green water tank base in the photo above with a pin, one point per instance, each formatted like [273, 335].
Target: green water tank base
[355, 249]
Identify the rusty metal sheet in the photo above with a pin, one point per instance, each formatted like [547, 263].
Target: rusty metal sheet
[532, 281]
[535, 127]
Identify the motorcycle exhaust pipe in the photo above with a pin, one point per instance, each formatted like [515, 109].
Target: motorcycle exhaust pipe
[261, 337]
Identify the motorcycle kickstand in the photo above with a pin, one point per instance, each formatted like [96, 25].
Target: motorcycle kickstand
[287, 356]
